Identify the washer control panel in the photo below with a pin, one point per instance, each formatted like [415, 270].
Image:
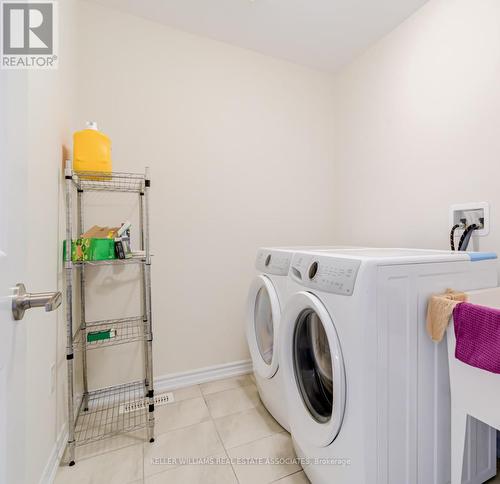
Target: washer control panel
[328, 274]
[276, 262]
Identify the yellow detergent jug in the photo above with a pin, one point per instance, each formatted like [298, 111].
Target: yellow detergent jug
[91, 150]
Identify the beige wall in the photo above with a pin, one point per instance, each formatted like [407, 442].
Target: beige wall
[241, 154]
[418, 128]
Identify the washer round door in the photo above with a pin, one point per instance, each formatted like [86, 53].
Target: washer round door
[313, 370]
[263, 315]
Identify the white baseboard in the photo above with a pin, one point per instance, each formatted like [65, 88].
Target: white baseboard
[202, 375]
[49, 473]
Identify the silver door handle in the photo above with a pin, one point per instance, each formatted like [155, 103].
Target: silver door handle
[23, 300]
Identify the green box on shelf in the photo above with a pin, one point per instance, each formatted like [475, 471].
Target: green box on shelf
[91, 249]
[102, 335]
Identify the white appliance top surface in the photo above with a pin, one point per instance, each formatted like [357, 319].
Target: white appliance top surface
[394, 252]
[396, 255]
[312, 248]
[336, 271]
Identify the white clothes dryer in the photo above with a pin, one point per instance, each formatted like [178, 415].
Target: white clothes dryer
[367, 390]
[267, 296]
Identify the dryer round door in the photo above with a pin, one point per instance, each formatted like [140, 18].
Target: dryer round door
[313, 370]
[263, 316]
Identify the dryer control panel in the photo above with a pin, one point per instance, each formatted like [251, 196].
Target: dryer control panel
[273, 261]
[328, 274]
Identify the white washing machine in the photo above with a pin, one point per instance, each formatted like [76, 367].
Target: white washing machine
[367, 390]
[267, 296]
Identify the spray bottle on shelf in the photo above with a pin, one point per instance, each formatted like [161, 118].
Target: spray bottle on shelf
[122, 241]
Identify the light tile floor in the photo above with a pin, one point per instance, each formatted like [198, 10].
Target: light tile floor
[222, 419]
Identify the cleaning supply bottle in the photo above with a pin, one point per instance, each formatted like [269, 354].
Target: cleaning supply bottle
[91, 150]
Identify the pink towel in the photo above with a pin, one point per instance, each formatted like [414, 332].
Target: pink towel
[477, 329]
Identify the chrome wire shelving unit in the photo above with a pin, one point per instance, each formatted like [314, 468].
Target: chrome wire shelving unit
[122, 408]
[135, 259]
[112, 411]
[109, 182]
[127, 330]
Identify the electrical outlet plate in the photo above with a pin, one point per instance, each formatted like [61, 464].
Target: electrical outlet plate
[472, 212]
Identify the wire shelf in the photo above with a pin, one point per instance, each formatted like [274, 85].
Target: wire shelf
[109, 182]
[123, 408]
[135, 259]
[125, 330]
[111, 411]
